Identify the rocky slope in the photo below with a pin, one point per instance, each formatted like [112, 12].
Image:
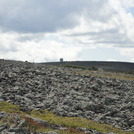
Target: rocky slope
[68, 92]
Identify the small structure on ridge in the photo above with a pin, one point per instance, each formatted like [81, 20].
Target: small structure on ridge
[61, 59]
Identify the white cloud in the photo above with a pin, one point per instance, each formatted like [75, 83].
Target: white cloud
[128, 3]
[128, 52]
[48, 30]
[112, 60]
[36, 50]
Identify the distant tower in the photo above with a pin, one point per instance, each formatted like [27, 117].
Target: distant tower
[61, 59]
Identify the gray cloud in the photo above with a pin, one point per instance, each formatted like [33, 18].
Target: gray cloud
[30, 37]
[10, 48]
[30, 16]
[108, 37]
[50, 29]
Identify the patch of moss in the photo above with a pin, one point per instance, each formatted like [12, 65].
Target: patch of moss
[9, 108]
[105, 74]
[71, 131]
[74, 66]
[71, 123]
[74, 122]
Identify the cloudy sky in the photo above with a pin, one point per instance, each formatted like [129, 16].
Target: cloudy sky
[47, 30]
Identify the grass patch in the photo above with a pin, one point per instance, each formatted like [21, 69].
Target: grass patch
[130, 72]
[71, 123]
[76, 122]
[9, 108]
[81, 67]
[71, 131]
[105, 74]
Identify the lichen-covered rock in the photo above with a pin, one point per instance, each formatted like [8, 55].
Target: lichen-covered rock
[67, 92]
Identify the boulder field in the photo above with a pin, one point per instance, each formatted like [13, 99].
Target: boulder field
[68, 92]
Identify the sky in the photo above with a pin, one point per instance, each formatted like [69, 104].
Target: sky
[47, 30]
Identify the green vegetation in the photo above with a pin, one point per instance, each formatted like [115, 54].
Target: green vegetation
[75, 122]
[130, 72]
[81, 67]
[9, 108]
[71, 123]
[108, 74]
[105, 74]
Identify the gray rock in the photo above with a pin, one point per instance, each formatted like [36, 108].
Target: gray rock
[131, 122]
[18, 131]
[51, 132]
[21, 124]
[95, 87]
[68, 92]
[111, 133]
[3, 127]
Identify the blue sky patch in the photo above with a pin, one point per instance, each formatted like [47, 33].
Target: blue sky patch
[131, 10]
